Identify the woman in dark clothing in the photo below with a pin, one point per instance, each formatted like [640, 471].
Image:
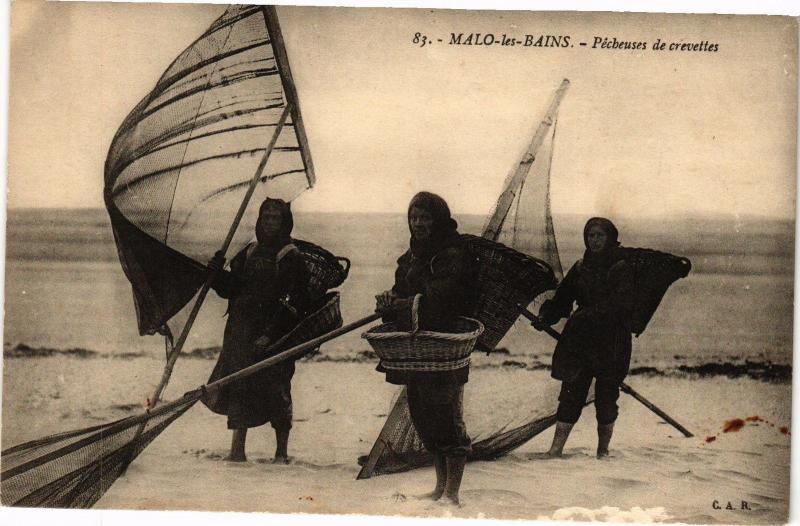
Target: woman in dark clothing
[267, 292]
[596, 341]
[438, 267]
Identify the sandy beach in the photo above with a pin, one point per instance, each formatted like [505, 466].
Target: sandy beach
[340, 408]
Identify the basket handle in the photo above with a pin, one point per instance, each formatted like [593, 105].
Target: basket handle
[415, 313]
[687, 266]
[346, 264]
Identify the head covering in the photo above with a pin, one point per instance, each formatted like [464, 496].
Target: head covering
[287, 223]
[444, 226]
[604, 258]
[606, 226]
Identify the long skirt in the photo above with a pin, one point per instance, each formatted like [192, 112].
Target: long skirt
[262, 397]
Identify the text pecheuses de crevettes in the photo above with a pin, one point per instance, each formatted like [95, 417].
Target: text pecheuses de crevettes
[565, 41]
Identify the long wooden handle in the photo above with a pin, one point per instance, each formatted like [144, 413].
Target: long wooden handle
[289, 353]
[512, 183]
[624, 387]
[627, 389]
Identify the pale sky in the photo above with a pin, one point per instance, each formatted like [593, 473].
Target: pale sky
[639, 132]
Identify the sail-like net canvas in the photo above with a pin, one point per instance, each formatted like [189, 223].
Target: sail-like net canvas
[182, 161]
[74, 469]
[521, 220]
[528, 226]
[176, 173]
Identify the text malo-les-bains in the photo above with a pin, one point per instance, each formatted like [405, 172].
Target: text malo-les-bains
[489, 39]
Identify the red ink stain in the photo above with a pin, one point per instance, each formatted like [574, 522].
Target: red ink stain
[732, 426]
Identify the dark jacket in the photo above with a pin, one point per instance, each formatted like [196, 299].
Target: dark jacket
[280, 286]
[446, 282]
[597, 336]
[267, 296]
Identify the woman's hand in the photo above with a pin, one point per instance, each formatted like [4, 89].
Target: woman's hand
[539, 323]
[262, 342]
[217, 263]
[384, 301]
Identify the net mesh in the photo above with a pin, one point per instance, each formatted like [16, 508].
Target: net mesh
[525, 224]
[529, 225]
[181, 162]
[74, 469]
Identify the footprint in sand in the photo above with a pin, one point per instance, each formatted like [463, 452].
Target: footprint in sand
[310, 466]
[700, 518]
[200, 452]
[756, 500]
[497, 497]
[739, 475]
[622, 483]
[216, 456]
[276, 462]
[544, 456]
[687, 475]
[399, 497]
[443, 506]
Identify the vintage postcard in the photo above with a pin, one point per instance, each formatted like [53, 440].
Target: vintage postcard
[400, 262]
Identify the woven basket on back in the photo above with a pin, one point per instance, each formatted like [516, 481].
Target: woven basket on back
[326, 270]
[424, 351]
[323, 320]
[653, 273]
[506, 278]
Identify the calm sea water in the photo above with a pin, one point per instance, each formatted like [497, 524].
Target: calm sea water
[65, 288]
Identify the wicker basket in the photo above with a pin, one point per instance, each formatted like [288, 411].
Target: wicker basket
[653, 273]
[505, 278]
[323, 320]
[326, 271]
[424, 351]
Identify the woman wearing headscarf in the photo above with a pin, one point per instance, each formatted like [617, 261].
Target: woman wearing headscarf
[596, 341]
[438, 267]
[267, 292]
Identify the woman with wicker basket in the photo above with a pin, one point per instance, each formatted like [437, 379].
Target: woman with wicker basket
[267, 289]
[596, 341]
[438, 271]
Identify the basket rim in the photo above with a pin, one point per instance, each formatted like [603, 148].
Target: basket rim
[332, 302]
[427, 365]
[453, 336]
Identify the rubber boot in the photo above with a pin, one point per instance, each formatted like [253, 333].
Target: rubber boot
[604, 432]
[237, 446]
[440, 465]
[281, 450]
[455, 471]
[560, 437]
